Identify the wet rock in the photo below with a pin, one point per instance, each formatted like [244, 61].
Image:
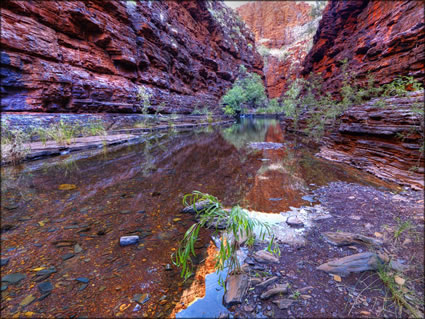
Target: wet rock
[67, 256]
[141, 298]
[82, 287]
[45, 287]
[13, 279]
[4, 261]
[4, 286]
[82, 279]
[64, 243]
[308, 198]
[77, 249]
[278, 289]
[198, 207]
[137, 308]
[129, 240]
[44, 296]
[236, 287]
[27, 300]
[263, 256]
[354, 263]
[345, 238]
[45, 272]
[267, 282]
[294, 221]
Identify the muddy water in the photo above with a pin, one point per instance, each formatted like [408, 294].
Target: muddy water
[137, 190]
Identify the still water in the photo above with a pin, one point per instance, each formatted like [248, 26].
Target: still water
[137, 189]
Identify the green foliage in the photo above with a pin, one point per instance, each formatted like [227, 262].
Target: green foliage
[143, 96]
[401, 85]
[13, 143]
[247, 91]
[237, 224]
[63, 133]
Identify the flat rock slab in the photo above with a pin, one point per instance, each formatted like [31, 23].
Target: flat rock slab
[263, 256]
[354, 263]
[13, 279]
[267, 282]
[344, 238]
[283, 303]
[278, 289]
[236, 287]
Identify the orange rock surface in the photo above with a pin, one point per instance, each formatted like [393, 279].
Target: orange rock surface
[92, 56]
[385, 38]
[285, 27]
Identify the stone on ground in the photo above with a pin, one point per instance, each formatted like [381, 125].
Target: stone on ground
[236, 287]
[263, 256]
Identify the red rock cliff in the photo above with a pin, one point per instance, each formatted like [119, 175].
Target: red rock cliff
[284, 33]
[385, 38]
[92, 56]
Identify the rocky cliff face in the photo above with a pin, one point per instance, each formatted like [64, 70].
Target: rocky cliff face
[284, 33]
[382, 141]
[95, 55]
[385, 38]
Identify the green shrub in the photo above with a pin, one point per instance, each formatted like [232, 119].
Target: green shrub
[247, 91]
[237, 224]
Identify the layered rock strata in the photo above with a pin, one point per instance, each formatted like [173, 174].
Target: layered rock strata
[383, 38]
[284, 33]
[108, 56]
[383, 141]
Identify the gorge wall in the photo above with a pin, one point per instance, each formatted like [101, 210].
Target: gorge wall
[95, 55]
[284, 33]
[385, 38]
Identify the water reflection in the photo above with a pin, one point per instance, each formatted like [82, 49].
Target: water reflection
[137, 190]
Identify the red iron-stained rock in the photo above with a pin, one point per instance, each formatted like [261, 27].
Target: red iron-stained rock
[92, 56]
[287, 28]
[385, 38]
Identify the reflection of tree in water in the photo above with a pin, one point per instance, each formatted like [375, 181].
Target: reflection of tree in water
[249, 130]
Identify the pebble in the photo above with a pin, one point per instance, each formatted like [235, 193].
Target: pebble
[67, 256]
[43, 296]
[45, 287]
[168, 267]
[27, 300]
[294, 221]
[4, 286]
[128, 240]
[77, 249]
[125, 212]
[13, 279]
[82, 279]
[137, 308]
[82, 287]
[141, 212]
[4, 261]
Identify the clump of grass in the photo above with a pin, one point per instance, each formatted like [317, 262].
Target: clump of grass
[237, 224]
[402, 226]
[388, 278]
[14, 144]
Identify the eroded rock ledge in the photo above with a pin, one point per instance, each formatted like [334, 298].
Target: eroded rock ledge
[384, 141]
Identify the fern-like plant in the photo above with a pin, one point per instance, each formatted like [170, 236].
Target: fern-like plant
[237, 224]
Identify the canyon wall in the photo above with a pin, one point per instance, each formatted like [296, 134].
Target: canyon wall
[385, 38]
[284, 33]
[384, 141]
[106, 55]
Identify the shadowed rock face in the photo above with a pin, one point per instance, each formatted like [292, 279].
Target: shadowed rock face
[286, 28]
[385, 38]
[92, 56]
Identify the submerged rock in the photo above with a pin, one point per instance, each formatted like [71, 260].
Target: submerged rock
[13, 279]
[283, 303]
[129, 240]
